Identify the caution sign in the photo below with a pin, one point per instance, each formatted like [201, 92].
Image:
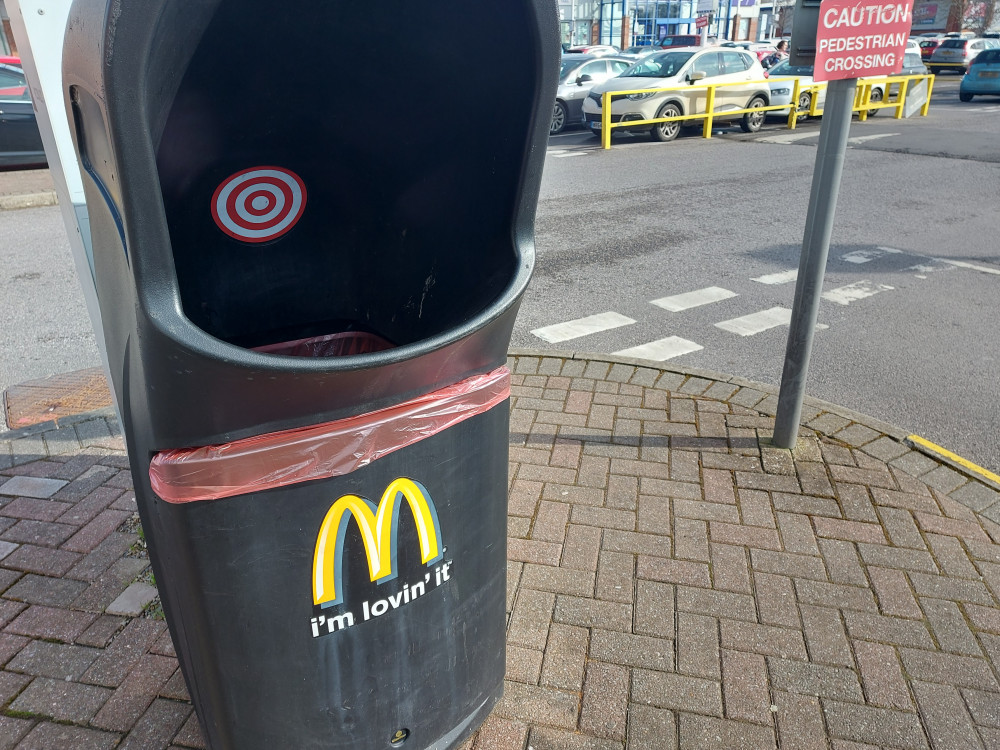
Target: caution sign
[857, 39]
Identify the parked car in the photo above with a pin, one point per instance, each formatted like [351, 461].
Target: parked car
[594, 49]
[781, 91]
[757, 48]
[7, 60]
[679, 40]
[696, 66]
[955, 53]
[578, 74]
[983, 76]
[913, 64]
[20, 141]
[640, 50]
[927, 47]
[912, 45]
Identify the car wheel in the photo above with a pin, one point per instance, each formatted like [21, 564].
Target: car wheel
[666, 131]
[876, 96]
[752, 121]
[963, 97]
[559, 117]
[805, 104]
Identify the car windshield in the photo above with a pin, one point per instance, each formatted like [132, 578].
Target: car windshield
[663, 65]
[989, 56]
[568, 66]
[783, 68]
[953, 44]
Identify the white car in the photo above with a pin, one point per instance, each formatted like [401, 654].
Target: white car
[693, 68]
[782, 91]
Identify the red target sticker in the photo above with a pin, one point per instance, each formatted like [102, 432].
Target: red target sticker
[259, 204]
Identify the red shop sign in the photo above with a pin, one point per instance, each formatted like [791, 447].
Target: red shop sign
[857, 38]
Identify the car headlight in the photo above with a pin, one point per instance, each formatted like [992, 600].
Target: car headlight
[781, 92]
[639, 97]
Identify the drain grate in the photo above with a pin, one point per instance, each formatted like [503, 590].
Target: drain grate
[56, 397]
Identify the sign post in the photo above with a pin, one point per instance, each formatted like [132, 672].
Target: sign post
[853, 39]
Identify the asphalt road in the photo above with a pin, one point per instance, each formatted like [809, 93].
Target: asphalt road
[909, 336]
[911, 340]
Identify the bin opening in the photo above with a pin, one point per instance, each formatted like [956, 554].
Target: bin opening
[342, 344]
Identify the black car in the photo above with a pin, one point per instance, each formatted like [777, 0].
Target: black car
[20, 141]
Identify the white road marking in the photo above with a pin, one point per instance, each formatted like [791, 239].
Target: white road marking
[748, 325]
[864, 256]
[859, 139]
[845, 295]
[567, 155]
[787, 138]
[686, 301]
[782, 277]
[963, 264]
[924, 268]
[574, 329]
[668, 348]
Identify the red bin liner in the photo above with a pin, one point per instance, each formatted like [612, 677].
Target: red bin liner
[341, 344]
[278, 459]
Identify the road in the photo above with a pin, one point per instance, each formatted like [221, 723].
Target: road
[907, 334]
[907, 331]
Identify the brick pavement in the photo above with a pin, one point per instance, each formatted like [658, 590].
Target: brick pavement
[674, 581]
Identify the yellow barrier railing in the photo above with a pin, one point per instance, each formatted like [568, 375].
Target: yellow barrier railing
[862, 102]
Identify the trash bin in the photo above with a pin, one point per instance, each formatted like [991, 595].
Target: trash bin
[309, 251]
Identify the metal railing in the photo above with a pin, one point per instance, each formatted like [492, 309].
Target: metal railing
[863, 102]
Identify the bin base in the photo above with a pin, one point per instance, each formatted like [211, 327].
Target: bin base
[459, 734]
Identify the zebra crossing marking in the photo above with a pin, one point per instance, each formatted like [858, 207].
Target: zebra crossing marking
[859, 290]
[750, 325]
[782, 277]
[866, 256]
[662, 349]
[686, 301]
[574, 329]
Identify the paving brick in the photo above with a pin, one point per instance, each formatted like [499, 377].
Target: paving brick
[581, 548]
[565, 657]
[654, 609]
[984, 707]
[39, 533]
[133, 600]
[945, 715]
[42, 560]
[12, 730]
[670, 488]
[825, 636]
[853, 531]
[673, 571]
[634, 543]
[653, 515]
[768, 482]
[631, 650]
[943, 587]
[745, 687]
[910, 501]
[901, 528]
[948, 669]
[667, 690]
[61, 700]
[10, 685]
[650, 727]
[47, 736]
[532, 704]
[157, 725]
[702, 733]
[698, 646]
[842, 562]
[547, 738]
[951, 557]
[715, 603]
[191, 734]
[9, 611]
[706, 511]
[944, 479]
[56, 660]
[895, 557]
[949, 627]
[529, 623]
[983, 618]
[100, 595]
[35, 509]
[24, 486]
[891, 630]
[835, 595]
[805, 504]
[604, 708]
[501, 734]
[951, 527]
[615, 577]
[800, 721]
[730, 571]
[176, 689]
[893, 591]
[558, 580]
[10, 645]
[691, 540]
[881, 676]
[138, 691]
[91, 566]
[880, 726]
[530, 551]
[51, 623]
[87, 538]
[805, 678]
[53, 592]
[746, 536]
[775, 597]
[787, 564]
[590, 613]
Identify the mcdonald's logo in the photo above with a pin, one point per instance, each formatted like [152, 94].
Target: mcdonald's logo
[379, 530]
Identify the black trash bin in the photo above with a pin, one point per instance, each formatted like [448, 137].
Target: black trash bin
[310, 241]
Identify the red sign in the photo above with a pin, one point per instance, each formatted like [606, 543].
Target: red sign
[701, 22]
[857, 38]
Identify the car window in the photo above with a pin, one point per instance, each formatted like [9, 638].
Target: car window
[953, 44]
[617, 66]
[663, 65]
[734, 62]
[783, 68]
[709, 63]
[13, 84]
[976, 45]
[989, 56]
[598, 69]
[912, 59]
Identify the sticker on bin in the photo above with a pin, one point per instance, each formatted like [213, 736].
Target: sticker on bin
[322, 451]
[259, 204]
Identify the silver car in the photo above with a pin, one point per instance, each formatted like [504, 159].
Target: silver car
[578, 74]
[956, 53]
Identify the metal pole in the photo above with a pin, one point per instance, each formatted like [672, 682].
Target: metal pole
[812, 263]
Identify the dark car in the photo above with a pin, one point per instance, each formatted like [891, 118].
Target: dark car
[578, 74]
[679, 40]
[20, 141]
